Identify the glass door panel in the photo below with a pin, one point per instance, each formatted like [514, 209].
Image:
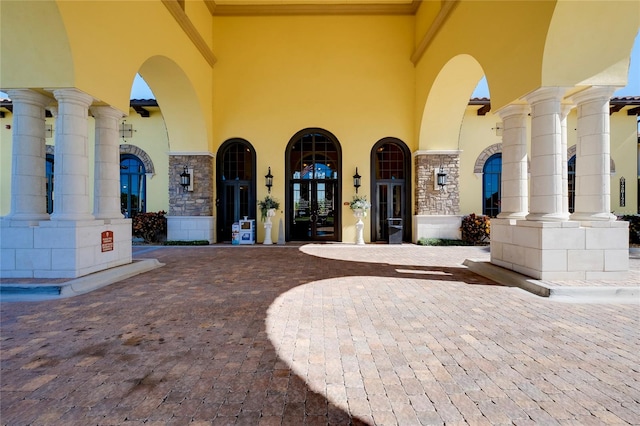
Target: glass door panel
[313, 210]
[236, 206]
[390, 204]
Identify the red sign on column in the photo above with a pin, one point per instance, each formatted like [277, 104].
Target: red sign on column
[107, 241]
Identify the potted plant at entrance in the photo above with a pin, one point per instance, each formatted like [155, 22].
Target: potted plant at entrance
[268, 207]
[359, 206]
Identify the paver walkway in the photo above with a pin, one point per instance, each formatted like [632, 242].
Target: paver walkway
[318, 334]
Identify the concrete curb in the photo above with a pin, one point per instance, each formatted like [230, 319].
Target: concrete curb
[582, 294]
[507, 278]
[37, 292]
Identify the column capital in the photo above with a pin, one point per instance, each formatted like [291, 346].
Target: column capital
[73, 96]
[513, 110]
[545, 94]
[106, 112]
[29, 96]
[593, 93]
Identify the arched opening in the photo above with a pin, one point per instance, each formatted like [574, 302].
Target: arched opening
[313, 175]
[491, 185]
[390, 187]
[133, 186]
[236, 185]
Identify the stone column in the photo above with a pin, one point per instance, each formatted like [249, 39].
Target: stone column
[28, 174]
[71, 174]
[564, 113]
[546, 157]
[593, 155]
[515, 186]
[106, 197]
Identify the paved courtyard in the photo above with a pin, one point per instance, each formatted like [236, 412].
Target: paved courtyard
[317, 334]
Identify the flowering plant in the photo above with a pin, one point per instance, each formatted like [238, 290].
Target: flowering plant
[150, 226]
[476, 229]
[359, 202]
[268, 203]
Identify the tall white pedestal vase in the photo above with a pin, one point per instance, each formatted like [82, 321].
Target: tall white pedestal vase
[268, 225]
[359, 206]
[268, 207]
[359, 214]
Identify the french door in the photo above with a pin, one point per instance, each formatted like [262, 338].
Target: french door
[313, 214]
[390, 205]
[235, 200]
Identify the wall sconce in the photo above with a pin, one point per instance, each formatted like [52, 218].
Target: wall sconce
[268, 180]
[185, 179]
[356, 180]
[439, 178]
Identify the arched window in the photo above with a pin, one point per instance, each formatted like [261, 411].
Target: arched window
[491, 190]
[571, 176]
[49, 183]
[133, 186]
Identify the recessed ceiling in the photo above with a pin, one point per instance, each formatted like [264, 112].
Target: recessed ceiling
[302, 7]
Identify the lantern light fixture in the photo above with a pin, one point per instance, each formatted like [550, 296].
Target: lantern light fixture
[185, 179]
[356, 180]
[268, 180]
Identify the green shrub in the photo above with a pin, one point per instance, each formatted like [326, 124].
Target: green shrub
[440, 242]
[476, 230]
[152, 227]
[634, 228]
[187, 243]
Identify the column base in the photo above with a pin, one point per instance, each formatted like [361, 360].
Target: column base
[548, 217]
[63, 249]
[588, 217]
[561, 250]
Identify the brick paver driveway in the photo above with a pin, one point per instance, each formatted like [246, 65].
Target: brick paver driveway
[289, 335]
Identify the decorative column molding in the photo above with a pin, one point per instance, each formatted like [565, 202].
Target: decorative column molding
[593, 155]
[72, 161]
[28, 174]
[515, 186]
[546, 157]
[106, 198]
[564, 113]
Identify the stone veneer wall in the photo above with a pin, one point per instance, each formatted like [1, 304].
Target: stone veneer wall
[430, 201]
[198, 202]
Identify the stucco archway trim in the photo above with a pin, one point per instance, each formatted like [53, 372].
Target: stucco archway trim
[141, 154]
[484, 156]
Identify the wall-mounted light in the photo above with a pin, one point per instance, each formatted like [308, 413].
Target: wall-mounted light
[185, 179]
[356, 180]
[439, 178]
[268, 180]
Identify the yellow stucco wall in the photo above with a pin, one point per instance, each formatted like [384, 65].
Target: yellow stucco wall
[350, 75]
[99, 46]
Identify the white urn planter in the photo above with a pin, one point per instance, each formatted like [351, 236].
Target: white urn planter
[267, 226]
[359, 214]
